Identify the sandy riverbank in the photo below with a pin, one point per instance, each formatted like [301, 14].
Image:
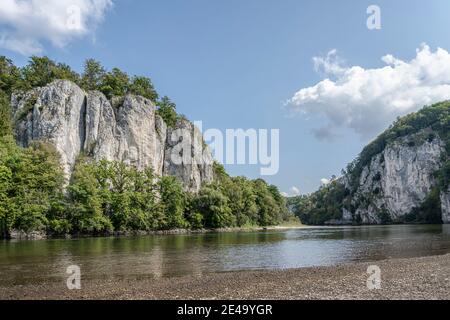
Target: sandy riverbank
[416, 278]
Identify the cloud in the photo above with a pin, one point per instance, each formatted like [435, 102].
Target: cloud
[325, 181]
[368, 100]
[293, 192]
[27, 24]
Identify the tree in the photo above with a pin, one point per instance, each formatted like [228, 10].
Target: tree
[145, 214]
[172, 202]
[41, 71]
[86, 202]
[63, 71]
[9, 154]
[9, 75]
[7, 210]
[269, 213]
[5, 115]
[142, 86]
[39, 181]
[214, 207]
[31, 185]
[121, 194]
[115, 83]
[93, 75]
[167, 111]
[242, 200]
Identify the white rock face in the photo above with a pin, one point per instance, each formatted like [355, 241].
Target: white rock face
[75, 121]
[398, 180]
[445, 202]
[188, 159]
[57, 117]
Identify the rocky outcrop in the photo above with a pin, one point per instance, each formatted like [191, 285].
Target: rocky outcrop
[186, 156]
[445, 206]
[125, 129]
[397, 181]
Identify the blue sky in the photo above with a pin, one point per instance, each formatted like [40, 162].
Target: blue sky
[234, 63]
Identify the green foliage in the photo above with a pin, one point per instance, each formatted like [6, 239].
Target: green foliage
[384, 216]
[9, 75]
[167, 111]
[429, 211]
[31, 186]
[321, 206]
[214, 207]
[9, 78]
[93, 75]
[242, 198]
[5, 115]
[86, 201]
[238, 202]
[172, 202]
[143, 86]
[115, 83]
[220, 174]
[41, 71]
[104, 197]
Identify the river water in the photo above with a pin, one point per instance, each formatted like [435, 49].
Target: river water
[31, 262]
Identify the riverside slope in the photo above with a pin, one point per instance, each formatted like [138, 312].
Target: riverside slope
[401, 176]
[398, 180]
[125, 129]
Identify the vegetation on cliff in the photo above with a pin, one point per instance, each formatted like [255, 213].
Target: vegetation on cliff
[104, 197]
[329, 201]
[40, 71]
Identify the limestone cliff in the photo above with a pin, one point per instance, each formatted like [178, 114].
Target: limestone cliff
[125, 129]
[402, 176]
[397, 180]
[445, 203]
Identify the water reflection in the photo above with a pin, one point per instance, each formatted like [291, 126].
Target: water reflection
[167, 256]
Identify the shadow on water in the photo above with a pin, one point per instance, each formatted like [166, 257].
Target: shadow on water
[23, 262]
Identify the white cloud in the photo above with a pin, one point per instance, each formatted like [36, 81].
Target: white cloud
[368, 100]
[325, 181]
[293, 192]
[26, 24]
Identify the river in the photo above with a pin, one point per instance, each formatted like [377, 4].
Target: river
[31, 262]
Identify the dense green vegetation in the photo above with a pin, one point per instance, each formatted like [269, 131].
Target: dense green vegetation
[327, 203]
[105, 197]
[324, 205]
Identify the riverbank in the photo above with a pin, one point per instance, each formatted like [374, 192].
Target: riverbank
[35, 235]
[414, 278]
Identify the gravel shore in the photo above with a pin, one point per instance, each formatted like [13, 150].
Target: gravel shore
[415, 278]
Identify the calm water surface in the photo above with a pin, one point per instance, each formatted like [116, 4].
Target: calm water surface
[23, 262]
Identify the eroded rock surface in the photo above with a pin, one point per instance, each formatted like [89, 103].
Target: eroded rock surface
[76, 122]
